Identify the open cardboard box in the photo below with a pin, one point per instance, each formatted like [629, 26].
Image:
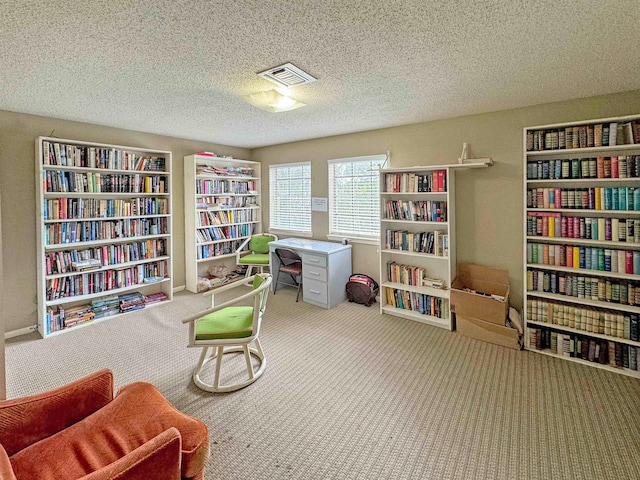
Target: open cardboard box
[488, 332]
[484, 280]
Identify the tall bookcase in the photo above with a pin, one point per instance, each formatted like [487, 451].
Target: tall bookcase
[417, 243]
[222, 209]
[104, 228]
[582, 242]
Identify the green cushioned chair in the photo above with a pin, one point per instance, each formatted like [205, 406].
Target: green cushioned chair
[230, 328]
[254, 252]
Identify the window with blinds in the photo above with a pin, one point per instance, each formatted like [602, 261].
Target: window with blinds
[354, 203]
[290, 197]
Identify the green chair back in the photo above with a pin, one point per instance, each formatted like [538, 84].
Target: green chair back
[260, 243]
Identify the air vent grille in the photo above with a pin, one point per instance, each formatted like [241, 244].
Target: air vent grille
[287, 75]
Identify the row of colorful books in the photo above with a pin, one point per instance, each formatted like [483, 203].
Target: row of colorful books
[90, 230]
[620, 166]
[584, 136]
[211, 234]
[63, 154]
[207, 187]
[412, 275]
[64, 208]
[416, 211]
[605, 352]
[593, 320]
[594, 198]
[227, 217]
[95, 182]
[63, 261]
[581, 286]
[417, 302]
[597, 259]
[555, 225]
[217, 249]
[435, 181]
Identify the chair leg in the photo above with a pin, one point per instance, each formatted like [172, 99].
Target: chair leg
[275, 284]
[216, 380]
[247, 357]
[299, 287]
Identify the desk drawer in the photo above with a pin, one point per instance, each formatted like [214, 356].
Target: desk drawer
[317, 260]
[315, 291]
[314, 273]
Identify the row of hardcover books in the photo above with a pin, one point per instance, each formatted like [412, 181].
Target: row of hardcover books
[94, 182]
[76, 208]
[229, 171]
[412, 275]
[103, 281]
[211, 234]
[63, 261]
[435, 181]
[589, 258]
[555, 225]
[417, 211]
[64, 154]
[622, 166]
[605, 352]
[66, 318]
[594, 198]
[216, 202]
[434, 243]
[216, 249]
[580, 286]
[227, 217]
[417, 302]
[588, 319]
[584, 136]
[86, 231]
[207, 187]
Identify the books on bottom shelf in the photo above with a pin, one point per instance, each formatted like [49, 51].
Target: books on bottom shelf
[99, 308]
[417, 302]
[604, 352]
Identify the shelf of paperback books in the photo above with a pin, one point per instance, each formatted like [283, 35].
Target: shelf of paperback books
[222, 208]
[104, 231]
[416, 228]
[582, 241]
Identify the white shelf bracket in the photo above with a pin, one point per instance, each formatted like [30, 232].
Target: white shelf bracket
[464, 156]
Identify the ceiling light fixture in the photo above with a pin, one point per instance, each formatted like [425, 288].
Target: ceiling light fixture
[272, 101]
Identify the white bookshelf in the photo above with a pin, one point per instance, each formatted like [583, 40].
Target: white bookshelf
[575, 285]
[222, 209]
[403, 193]
[107, 203]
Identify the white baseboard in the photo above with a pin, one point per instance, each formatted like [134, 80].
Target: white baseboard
[179, 289]
[20, 331]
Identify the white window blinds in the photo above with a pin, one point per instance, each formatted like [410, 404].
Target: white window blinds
[354, 203]
[290, 197]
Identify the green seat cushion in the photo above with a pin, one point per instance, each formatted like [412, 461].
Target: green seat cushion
[230, 322]
[260, 243]
[254, 259]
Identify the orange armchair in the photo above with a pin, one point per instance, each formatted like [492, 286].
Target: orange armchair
[80, 431]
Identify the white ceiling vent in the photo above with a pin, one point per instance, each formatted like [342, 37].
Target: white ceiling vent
[287, 75]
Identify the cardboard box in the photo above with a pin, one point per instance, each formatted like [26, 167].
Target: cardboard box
[488, 332]
[485, 281]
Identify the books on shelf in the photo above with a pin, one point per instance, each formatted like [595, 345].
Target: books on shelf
[584, 136]
[416, 182]
[412, 275]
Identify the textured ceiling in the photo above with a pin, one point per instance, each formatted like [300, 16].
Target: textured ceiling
[179, 67]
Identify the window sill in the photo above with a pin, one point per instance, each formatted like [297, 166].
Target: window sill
[360, 240]
[290, 233]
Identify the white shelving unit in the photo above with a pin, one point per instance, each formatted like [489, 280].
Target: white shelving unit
[107, 205]
[222, 209]
[581, 269]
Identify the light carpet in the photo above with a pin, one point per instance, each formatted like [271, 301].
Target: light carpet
[352, 394]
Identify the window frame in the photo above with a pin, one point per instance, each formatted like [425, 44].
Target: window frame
[334, 233]
[302, 230]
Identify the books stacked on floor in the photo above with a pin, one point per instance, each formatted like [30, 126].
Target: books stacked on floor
[131, 301]
[105, 307]
[75, 315]
[155, 298]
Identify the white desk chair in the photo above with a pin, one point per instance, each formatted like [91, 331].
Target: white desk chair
[228, 328]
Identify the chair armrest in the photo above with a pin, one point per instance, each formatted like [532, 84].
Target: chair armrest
[240, 248]
[157, 459]
[6, 472]
[252, 293]
[30, 419]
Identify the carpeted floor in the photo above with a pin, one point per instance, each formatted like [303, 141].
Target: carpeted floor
[352, 394]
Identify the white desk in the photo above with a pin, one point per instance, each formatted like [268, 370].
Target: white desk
[326, 268]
